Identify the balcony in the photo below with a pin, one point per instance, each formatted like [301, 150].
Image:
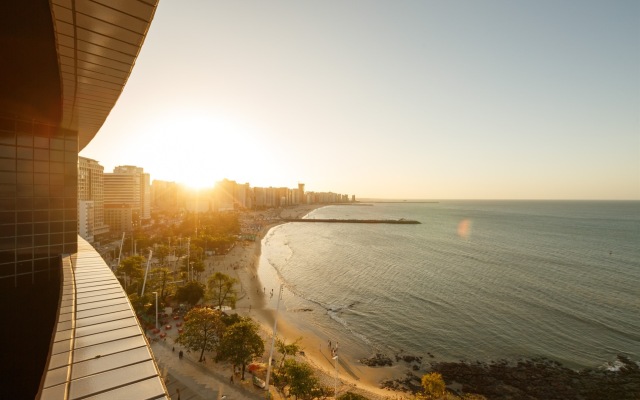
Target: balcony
[98, 348]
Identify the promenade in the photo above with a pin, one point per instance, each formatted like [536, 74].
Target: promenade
[198, 381]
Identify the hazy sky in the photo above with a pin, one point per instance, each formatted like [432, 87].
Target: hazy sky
[396, 99]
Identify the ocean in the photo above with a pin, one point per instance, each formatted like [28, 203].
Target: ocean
[475, 281]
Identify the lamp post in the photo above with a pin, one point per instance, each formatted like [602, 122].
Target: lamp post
[335, 383]
[273, 341]
[156, 293]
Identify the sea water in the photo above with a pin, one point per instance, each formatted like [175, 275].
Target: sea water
[476, 280]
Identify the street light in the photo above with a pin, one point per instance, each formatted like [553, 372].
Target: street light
[156, 293]
[273, 341]
[335, 384]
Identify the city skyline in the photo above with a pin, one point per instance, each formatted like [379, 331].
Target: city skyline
[424, 100]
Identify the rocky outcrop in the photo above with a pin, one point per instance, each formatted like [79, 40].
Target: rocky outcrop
[543, 379]
[378, 360]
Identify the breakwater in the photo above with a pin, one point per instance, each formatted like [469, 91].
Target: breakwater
[356, 221]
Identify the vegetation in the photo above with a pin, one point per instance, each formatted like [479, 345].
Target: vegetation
[287, 349]
[132, 267]
[294, 378]
[190, 293]
[240, 344]
[203, 329]
[433, 385]
[159, 281]
[298, 379]
[221, 290]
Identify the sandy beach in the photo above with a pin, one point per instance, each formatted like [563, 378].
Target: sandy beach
[243, 263]
[257, 301]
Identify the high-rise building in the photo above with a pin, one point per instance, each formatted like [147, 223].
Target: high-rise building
[164, 196]
[91, 199]
[225, 191]
[126, 193]
[301, 197]
[64, 65]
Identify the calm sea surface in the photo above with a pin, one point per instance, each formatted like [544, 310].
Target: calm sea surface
[477, 280]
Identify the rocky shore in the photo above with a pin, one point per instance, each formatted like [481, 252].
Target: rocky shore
[530, 379]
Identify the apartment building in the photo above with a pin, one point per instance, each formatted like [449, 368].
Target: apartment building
[91, 222]
[127, 198]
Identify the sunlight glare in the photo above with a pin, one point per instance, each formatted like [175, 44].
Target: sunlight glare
[199, 149]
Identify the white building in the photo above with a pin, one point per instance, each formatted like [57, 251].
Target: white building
[90, 192]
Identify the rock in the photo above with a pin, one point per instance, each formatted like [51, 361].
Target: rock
[378, 360]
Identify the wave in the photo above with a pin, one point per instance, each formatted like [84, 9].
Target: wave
[523, 284]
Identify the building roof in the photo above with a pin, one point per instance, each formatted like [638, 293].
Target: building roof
[99, 349]
[97, 43]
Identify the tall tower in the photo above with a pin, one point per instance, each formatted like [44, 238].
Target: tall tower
[90, 197]
[302, 198]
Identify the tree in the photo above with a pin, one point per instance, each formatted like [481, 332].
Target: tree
[301, 380]
[240, 344]
[287, 349]
[132, 267]
[221, 290]
[433, 385]
[161, 253]
[198, 268]
[190, 293]
[202, 330]
[159, 280]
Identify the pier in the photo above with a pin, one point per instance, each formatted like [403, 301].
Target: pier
[356, 221]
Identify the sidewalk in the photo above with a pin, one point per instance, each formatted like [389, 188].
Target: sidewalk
[197, 381]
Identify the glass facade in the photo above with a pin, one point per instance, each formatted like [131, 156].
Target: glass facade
[38, 200]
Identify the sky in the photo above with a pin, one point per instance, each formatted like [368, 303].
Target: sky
[398, 99]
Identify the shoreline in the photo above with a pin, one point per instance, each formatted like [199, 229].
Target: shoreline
[256, 301]
[312, 324]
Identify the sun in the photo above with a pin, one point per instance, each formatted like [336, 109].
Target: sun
[199, 149]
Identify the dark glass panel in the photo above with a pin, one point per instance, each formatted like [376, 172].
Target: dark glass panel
[41, 142]
[41, 240]
[24, 165]
[55, 227]
[25, 216]
[41, 154]
[24, 229]
[25, 153]
[56, 168]
[41, 191]
[7, 257]
[40, 228]
[7, 230]
[24, 190]
[24, 241]
[41, 166]
[8, 151]
[8, 164]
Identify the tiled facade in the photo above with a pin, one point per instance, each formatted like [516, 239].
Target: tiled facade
[38, 199]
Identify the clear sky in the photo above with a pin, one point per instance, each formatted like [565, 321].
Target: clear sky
[407, 99]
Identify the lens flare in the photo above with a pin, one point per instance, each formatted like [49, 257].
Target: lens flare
[464, 228]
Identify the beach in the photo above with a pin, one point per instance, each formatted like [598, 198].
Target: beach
[257, 301]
